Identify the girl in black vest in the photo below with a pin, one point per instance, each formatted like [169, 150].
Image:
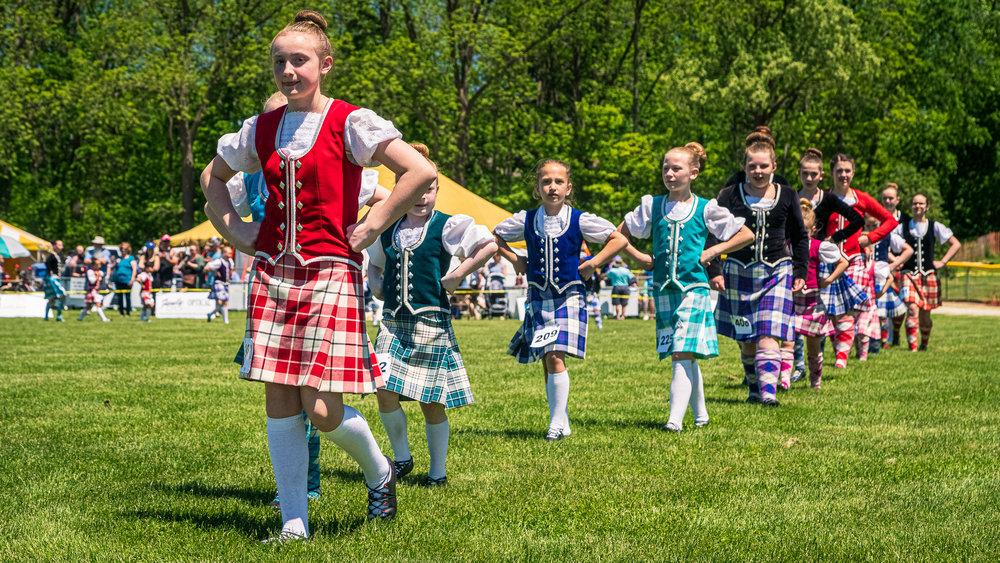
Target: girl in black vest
[920, 280]
[756, 305]
[418, 354]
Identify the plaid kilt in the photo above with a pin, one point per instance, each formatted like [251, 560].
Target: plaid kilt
[690, 315]
[94, 296]
[762, 295]
[53, 288]
[922, 289]
[810, 314]
[148, 300]
[566, 310]
[890, 305]
[419, 358]
[844, 294]
[220, 291]
[306, 327]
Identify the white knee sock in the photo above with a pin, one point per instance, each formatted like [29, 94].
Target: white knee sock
[437, 445]
[698, 396]
[395, 427]
[225, 314]
[101, 313]
[680, 393]
[286, 442]
[559, 401]
[356, 438]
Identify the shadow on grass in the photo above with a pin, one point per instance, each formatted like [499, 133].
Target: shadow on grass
[626, 423]
[253, 496]
[244, 523]
[514, 434]
[725, 401]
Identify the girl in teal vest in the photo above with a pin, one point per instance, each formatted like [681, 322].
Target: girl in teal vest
[679, 223]
[410, 269]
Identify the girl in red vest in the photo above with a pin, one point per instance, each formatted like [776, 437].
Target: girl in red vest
[306, 336]
[842, 169]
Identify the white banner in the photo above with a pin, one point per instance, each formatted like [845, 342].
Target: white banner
[183, 305]
[22, 305]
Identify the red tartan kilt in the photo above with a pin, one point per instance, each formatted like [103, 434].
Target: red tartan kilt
[922, 289]
[306, 327]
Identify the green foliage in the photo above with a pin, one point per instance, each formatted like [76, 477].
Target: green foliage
[113, 108]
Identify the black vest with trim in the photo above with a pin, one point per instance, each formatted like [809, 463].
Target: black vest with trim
[923, 249]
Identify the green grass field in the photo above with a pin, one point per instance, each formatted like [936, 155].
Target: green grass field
[133, 441]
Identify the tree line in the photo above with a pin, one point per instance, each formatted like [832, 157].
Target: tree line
[112, 108]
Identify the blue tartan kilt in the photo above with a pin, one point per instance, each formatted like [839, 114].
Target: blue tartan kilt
[565, 310]
[890, 305]
[758, 295]
[689, 316]
[844, 294]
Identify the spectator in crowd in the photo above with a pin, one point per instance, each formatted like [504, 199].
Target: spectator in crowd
[621, 279]
[97, 251]
[212, 252]
[75, 268]
[125, 271]
[192, 266]
[148, 256]
[167, 262]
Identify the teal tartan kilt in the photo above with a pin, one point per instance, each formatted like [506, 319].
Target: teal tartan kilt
[692, 318]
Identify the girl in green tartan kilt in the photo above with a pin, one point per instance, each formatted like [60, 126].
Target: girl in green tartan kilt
[416, 348]
[679, 223]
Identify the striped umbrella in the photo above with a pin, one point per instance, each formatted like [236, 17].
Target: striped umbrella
[11, 248]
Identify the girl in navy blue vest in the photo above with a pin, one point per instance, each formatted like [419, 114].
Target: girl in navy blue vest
[756, 304]
[410, 268]
[555, 323]
[920, 289]
[679, 223]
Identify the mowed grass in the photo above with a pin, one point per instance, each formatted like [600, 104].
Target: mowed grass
[137, 441]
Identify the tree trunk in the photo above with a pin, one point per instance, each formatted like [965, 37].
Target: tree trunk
[187, 174]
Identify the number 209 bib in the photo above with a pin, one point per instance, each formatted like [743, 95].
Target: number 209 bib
[545, 335]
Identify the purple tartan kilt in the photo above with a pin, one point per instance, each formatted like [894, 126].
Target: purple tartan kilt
[220, 291]
[567, 310]
[760, 294]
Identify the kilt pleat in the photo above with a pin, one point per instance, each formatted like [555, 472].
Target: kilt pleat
[566, 310]
[306, 327]
[844, 294]
[689, 314]
[811, 318]
[419, 359]
[922, 289]
[760, 294]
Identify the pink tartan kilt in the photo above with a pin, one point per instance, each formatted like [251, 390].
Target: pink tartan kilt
[922, 289]
[810, 314]
[147, 298]
[94, 296]
[306, 327]
[863, 276]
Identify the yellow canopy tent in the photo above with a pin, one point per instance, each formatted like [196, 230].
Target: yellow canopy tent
[452, 199]
[39, 247]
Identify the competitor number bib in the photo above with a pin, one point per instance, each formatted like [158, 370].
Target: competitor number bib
[665, 340]
[545, 336]
[741, 325]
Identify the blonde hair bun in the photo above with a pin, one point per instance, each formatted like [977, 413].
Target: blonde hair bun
[313, 17]
[698, 155]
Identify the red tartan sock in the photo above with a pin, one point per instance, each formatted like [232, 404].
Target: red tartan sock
[925, 333]
[912, 326]
[843, 338]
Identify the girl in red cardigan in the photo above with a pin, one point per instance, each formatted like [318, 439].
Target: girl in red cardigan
[842, 169]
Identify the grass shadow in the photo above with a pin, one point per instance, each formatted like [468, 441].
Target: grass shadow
[241, 522]
[513, 434]
[725, 401]
[254, 496]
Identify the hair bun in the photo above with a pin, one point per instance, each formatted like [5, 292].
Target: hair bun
[698, 152]
[422, 149]
[311, 16]
[761, 134]
[815, 152]
[805, 203]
